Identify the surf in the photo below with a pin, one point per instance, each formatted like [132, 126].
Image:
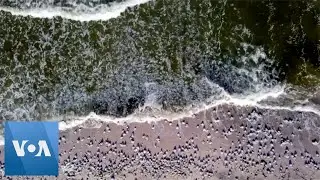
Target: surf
[101, 12]
[253, 100]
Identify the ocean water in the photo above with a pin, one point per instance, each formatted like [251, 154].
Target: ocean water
[142, 60]
[75, 10]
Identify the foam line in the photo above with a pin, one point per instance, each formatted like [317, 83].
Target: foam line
[249, 100]
[105, 12]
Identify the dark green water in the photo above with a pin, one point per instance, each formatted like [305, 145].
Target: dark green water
[178, 52]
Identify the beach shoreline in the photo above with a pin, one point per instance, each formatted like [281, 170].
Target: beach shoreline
[226, 141]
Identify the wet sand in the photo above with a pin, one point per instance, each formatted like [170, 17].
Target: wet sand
[224, 142]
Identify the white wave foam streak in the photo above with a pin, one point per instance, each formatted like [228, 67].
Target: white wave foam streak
[81, 13]
[250, 100]
[254, 99]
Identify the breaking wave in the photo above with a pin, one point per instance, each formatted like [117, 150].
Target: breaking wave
[71, 10]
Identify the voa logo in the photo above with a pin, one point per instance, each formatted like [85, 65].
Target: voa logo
[42, 148]
[31, 148]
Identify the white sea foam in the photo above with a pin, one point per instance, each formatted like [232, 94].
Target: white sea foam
[81, 13]
[249, 100]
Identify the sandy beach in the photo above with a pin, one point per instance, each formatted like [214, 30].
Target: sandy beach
[224, 142]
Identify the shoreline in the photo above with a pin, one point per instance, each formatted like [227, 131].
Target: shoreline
[189, 112]
[218, 142]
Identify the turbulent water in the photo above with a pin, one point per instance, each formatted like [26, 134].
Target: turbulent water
[70, 9]
[68, 58]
